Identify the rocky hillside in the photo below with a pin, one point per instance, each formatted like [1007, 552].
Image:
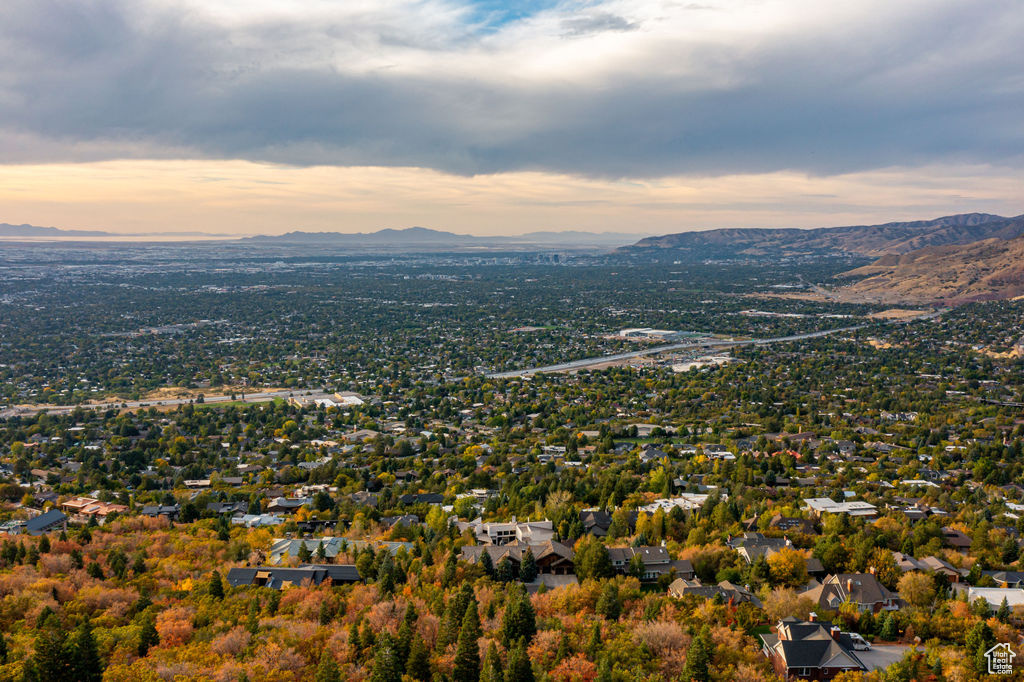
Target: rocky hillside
[984, 270]
[859, 240]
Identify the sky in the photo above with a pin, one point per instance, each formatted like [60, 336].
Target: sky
[494, 117]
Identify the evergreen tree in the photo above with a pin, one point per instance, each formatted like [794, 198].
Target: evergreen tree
[604, 671]
[980, 639]
[44, 545]
[386, 574]
[504, 572]
[216, 589]
[890, 630]
[467, 650]
[594, 643]
[636, 566]
[760, 571]
[519, 620]
[487, 563]
[454, 613]
[273, 602]
[450, 568]
[367, 639]
[518, 669]
[563, 650]
[386, 666]
[3, 649]
[492, 671]
[405, 632]
[50, 658]
[304, 554]
[148, 636]
[698, 658]
[866, 622]
[608, 604]
[528, 568]
[327, 671]
[1003, 614]
[83, 656]
[418, 665]
[252, 623]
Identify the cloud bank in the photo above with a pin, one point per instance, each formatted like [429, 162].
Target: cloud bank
[602, 89]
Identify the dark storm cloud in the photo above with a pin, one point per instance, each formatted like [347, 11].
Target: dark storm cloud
[99, 79]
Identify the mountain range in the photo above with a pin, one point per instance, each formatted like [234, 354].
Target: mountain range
[858, 240]
[422, 238]
[411, 239]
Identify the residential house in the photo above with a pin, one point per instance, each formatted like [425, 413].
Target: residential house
[1006, 578]
[327, 549]
[656, 562]
[931, 564]
[37, 525]
[957, 540]
[279, 578]
[1014, 596]
[288, 505]
[408, 520]
[257, 520]
[170, 511]
[364, 499]
[860, 589]
[47, 522]
[84, 508]
[238, 507]
[551, 557]
[750, 546]
[596, 522]
[810, 650]
[824, 505]
[421, 498]
[730, 594]
[504, 532]
[792, 524]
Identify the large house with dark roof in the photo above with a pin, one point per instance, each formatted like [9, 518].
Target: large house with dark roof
[279, 578]
[44, 523]
[810, 650]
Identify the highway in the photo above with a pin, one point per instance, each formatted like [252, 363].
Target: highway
[601, 360]
[721, 343]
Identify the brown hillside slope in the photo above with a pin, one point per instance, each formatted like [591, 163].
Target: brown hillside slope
[990, 269]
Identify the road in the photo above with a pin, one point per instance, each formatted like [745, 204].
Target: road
[603, 359]
[600, 360]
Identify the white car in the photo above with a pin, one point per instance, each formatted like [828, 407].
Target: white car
[859, 643]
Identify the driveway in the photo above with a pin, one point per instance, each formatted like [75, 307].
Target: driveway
[882, 656]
